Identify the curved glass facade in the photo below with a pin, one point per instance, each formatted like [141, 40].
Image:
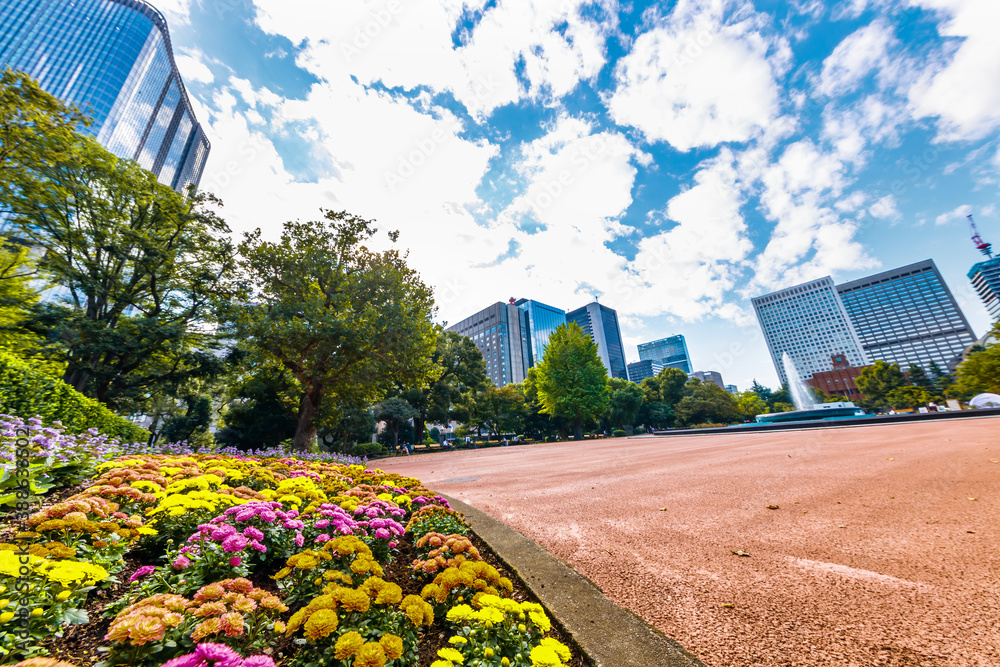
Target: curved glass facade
[112, 59]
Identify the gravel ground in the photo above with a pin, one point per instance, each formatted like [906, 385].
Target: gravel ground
[881, 545]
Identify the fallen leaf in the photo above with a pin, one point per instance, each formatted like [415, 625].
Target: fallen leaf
[841, 526]
[663, 509]
[971, 532]
[727, 605]
[741, 553]
[890, 459]
[773, 507]
[971, 498]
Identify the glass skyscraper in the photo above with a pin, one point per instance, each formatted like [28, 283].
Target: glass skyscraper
[908, 316]
[601, 324]
[810, 323]
[671, 352]
[542, 321]
[501, 334]
[113, 60]
[985, 277]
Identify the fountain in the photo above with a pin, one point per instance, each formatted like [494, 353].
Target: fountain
[805, 408]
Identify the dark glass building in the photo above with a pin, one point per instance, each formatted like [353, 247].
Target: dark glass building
[645, 368]
[985, 278]
[501, 334]
[542, 321]
[112, 59]
[908, 316]
[601, 324]
[671, 352]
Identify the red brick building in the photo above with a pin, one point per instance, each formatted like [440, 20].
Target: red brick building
[840, 380]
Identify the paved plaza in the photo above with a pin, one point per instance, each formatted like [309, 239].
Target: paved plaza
[875, 545]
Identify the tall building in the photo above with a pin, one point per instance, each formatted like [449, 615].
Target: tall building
[542, 321]
[112, 59]
[642, 369]
[810, 323]
[839, 380]
[501, 334]
[671, 352]
[985, 278]
[601, 324]
[908, 316]
[710, 376]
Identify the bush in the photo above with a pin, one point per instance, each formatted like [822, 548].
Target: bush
[639, 430]
[26, 392]
[618, 433]
[366, 449]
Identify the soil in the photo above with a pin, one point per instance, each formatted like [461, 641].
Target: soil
[872, 545]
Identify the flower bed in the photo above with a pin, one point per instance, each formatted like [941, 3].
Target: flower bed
[190, 559]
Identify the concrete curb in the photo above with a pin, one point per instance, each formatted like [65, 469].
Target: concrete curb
[610, 635]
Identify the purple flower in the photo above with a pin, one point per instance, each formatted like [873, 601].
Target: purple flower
[189, 660]
[293, 525]
[253, 533]
[383, 534]
[258, 661]
[322, 523]
[143, 571]
[299, 539]
[221, 655]
[254, 544]
[322, 537]
[235, 561]
[268, 515]
[234, 543]
[181, 563]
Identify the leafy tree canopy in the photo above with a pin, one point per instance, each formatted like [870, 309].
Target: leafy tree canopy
[624, 402]
[706, 402]
[980, 372]
[347, 322]
[876, 381]
[571, 380]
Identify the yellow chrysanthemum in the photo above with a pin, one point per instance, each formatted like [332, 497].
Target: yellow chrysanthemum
[561, 649]
[545, 656]
[392, 645]
[320, 624]
[347, 645]
[370, 655]
[451, 654]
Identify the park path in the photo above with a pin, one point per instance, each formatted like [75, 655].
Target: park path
[884, 548]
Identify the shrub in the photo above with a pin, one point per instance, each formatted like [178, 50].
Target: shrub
[26, 392]
[366, 449]
[618, 433]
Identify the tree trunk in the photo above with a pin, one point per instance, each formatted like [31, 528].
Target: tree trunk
[305, 429]
[418, 429]
[578, 430]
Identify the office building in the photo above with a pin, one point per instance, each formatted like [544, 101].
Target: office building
[732, 389]
[501, 334]
[810, 323]
[908, 316]
[113, 60]
[645, 368]
[709, 376]
[671, 352]
[542, 321]
[985, 278]
[839, 380]
[601, 324]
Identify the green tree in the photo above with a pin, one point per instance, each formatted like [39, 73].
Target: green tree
[36, 130]
[672, 382]
[876, 381]
[498, 410]
[396, 413]
[908, 396]
[624, 402]
[917, 377]
[762, 392]
[260, 411]
[941, 380]
[138, 264]
[355, 425]
[348, 323]
[749, 404]
[706, 402]
[18, 296]
[462, 369]
[980, 372]
[571, 380]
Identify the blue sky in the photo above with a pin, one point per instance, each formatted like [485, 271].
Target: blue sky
[670, 159]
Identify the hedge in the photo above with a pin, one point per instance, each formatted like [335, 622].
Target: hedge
[26, 392]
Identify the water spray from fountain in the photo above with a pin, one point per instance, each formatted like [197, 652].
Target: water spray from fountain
[801, 396]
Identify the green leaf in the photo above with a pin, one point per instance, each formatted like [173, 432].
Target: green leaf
[74, 617]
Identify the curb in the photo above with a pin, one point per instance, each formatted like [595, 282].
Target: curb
[608, 634]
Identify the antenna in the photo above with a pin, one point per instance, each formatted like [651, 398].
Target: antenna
[981, 245]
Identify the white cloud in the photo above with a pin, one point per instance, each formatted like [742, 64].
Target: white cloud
[177, 12]
[962, 91]
[409, 44]
[886, 209]
[858, 55]
[702, 76]
[689, 270]
[811, 238]
[956, 215]
[193, 69]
